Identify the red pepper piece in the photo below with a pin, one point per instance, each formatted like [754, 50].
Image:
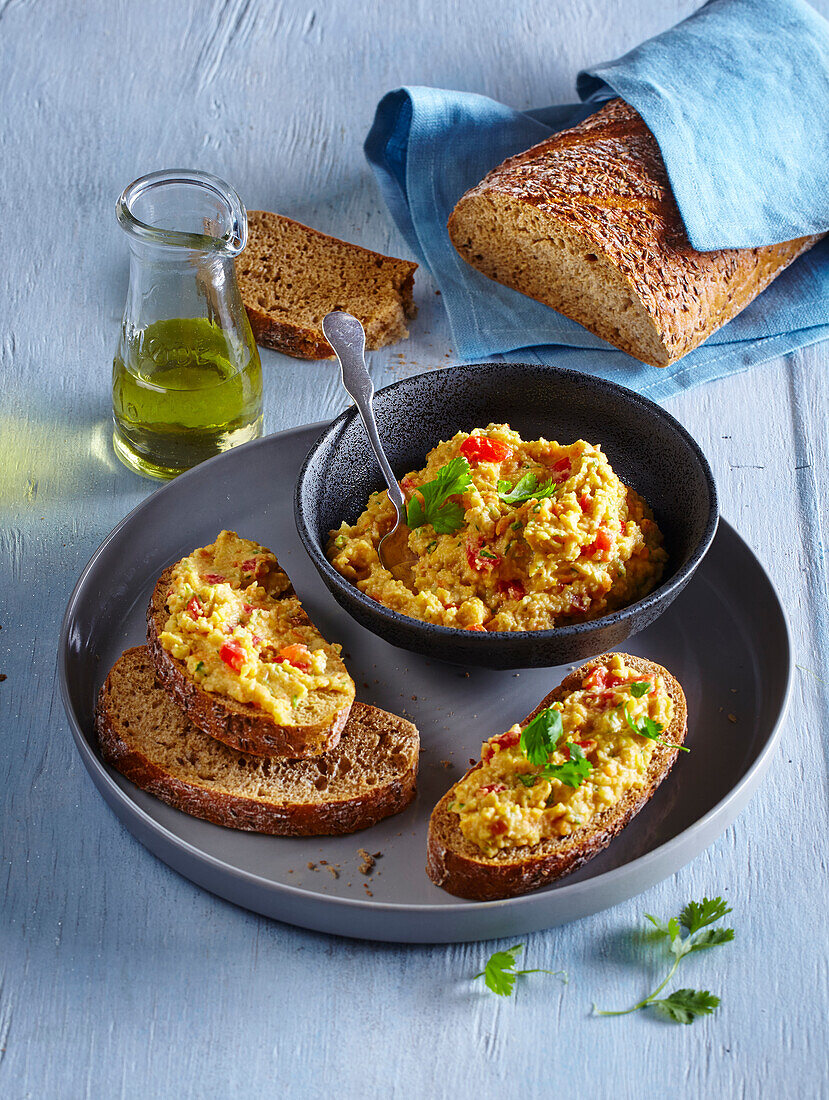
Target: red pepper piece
[561, 469]
[601, 545]
[512, 590]
[297, 655]
[584, 502]
[491, 787]
[480, 448]
[233, 654]
[481, 564]
[195, 608]
[498, 827]
[214, 578]
[477, 626]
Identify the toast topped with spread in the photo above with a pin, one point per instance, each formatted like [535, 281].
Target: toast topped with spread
[552, 792]
[233, 646]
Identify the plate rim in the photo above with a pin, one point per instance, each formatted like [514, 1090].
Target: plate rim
[100, 773]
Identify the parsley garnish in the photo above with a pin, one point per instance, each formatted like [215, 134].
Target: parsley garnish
[683, 1006]
[639, 688]
[199, 667]
[527, 778]
[573, 771]
[652, 730]
[500, 974]
[527, 488]
[540, 737]
[444, 515]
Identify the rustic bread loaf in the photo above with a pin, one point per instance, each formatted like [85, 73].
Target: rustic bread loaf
[290, 276]
[586, 222]
[317, 723]
[143, 733]
[462, 868]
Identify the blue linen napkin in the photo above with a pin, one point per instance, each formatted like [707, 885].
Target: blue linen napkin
[737, 97]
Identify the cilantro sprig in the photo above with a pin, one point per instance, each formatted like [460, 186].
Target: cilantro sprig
[651, 729]
[445, 515]
[573, 771]
[526, 488]
[683, 1006]
[500, 974]
[539, 740]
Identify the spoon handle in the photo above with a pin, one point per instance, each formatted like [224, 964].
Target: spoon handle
[346, 336]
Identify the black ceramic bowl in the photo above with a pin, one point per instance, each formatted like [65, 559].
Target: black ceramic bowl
[647, 448]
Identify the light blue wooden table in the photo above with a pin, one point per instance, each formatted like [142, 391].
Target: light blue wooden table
[120, 979]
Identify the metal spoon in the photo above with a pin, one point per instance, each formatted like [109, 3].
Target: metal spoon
[346, 336]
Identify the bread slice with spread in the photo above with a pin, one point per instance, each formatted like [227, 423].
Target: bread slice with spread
[233, 646]
[142, 733]
[550, 794]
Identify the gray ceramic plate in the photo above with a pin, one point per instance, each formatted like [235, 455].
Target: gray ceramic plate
[725, 638]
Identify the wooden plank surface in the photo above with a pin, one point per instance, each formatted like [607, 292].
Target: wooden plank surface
[117, 977]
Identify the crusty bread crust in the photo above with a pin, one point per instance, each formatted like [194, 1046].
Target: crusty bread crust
[329, 815]
[586, 222]
[461, 868]
[241, 725]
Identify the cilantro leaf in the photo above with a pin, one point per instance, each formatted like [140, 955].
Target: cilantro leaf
[640, 688]
[712, 937]
[540, 737]
[526, 488]
[573, 771]
[684, 1005]
[444, 515]
[651, 729]
[698, 915]
[500, 974]
[527, 779]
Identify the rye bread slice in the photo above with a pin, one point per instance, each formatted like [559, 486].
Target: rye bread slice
[461, 868]
[144, 735]
[320, 719]
[291, 275]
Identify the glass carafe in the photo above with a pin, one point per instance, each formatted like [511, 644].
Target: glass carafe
[186, 380]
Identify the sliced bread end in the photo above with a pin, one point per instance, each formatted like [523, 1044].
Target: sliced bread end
[291, 275]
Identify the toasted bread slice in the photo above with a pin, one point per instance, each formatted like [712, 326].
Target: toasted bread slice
[463, 869]
[369, 775]
[316, 723]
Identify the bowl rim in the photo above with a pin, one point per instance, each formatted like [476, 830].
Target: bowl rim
[482, 639]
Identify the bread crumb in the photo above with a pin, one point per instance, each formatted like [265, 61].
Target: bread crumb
[312, 866]
[732, 717]
[3, 677]
[333, 871]
[472, 760]
[447, 763]
[414, 698]
[368, 892]
[367, 866]
[323, 862]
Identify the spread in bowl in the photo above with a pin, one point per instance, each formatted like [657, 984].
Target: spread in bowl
[571, 762]
[237, 624]
[508, 535]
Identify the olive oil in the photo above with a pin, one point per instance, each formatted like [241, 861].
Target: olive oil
[184, 390]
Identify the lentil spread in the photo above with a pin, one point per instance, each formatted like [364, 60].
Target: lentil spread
[574, 545]
[241, 631]
[507, 801]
